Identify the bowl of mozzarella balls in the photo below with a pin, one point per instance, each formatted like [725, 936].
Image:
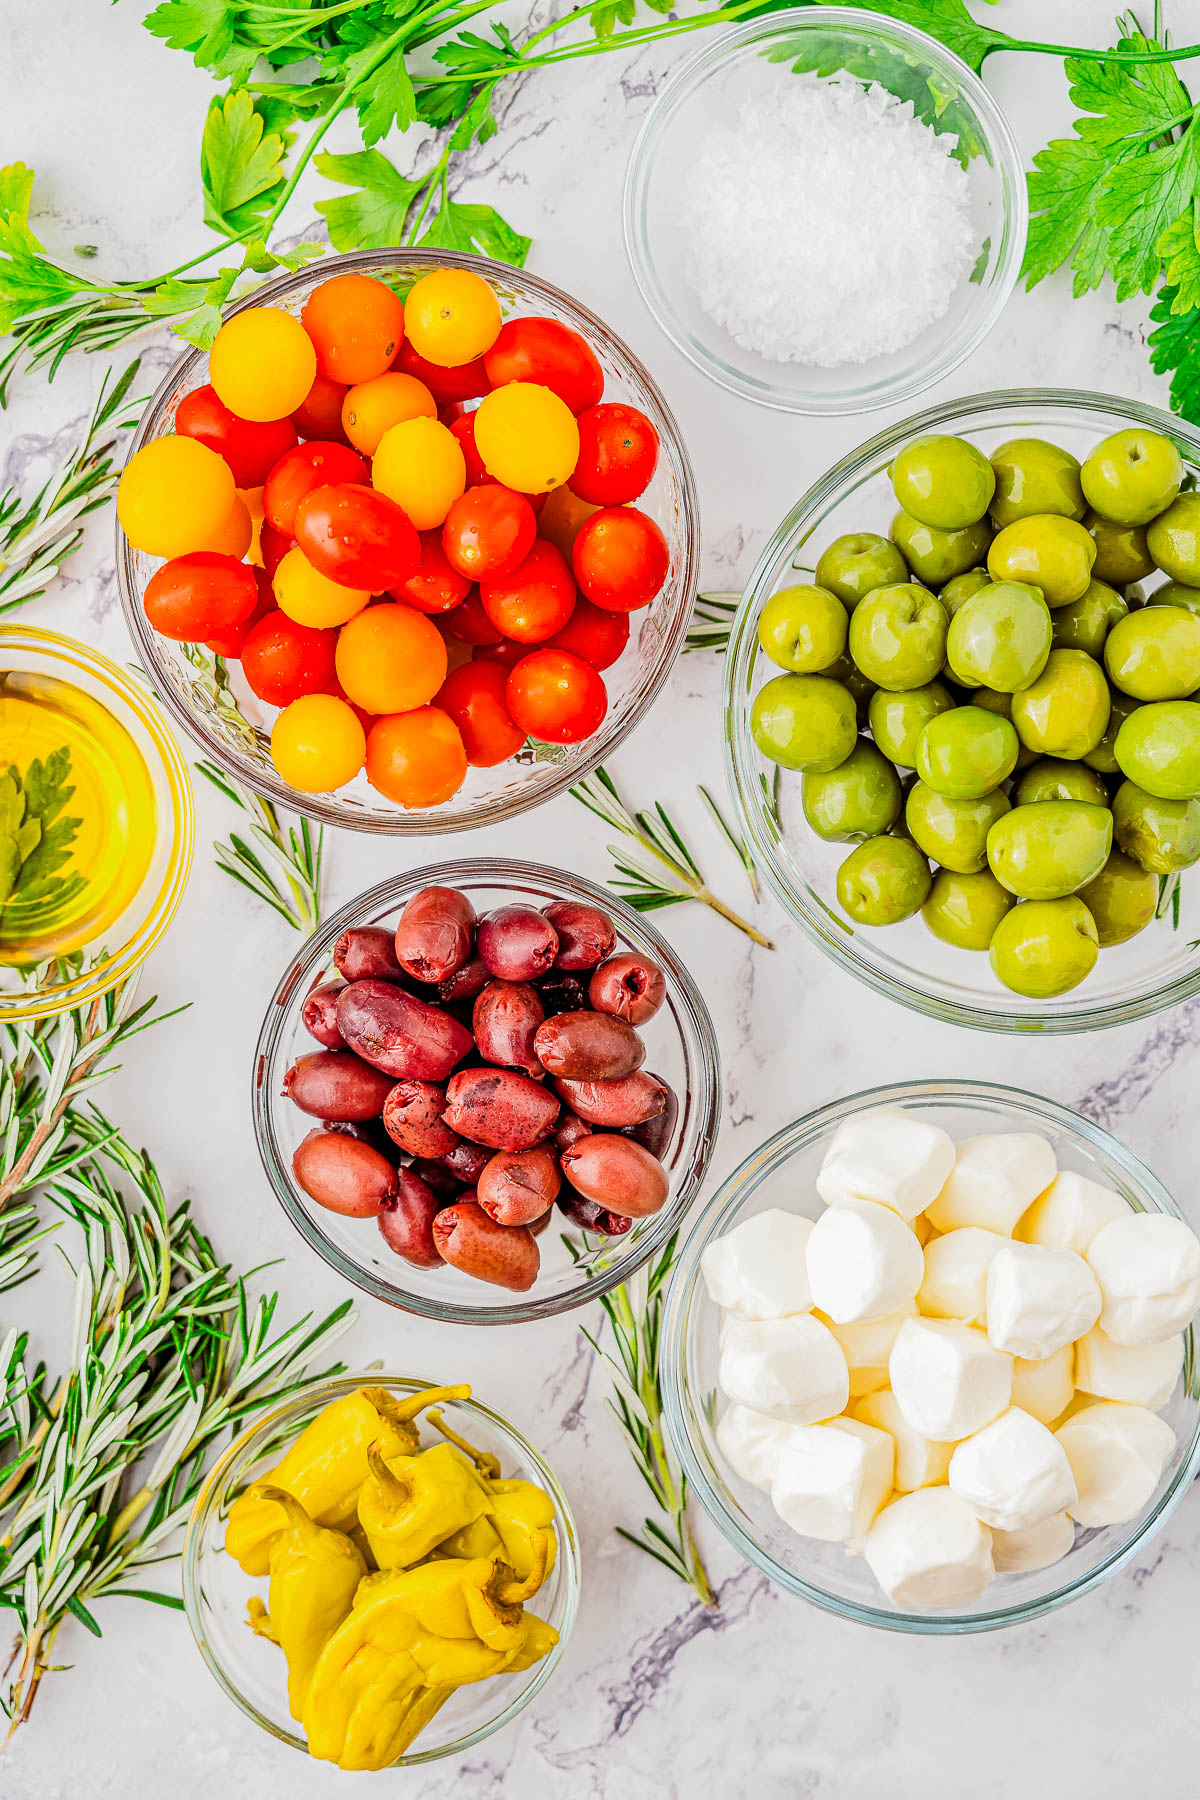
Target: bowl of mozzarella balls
[929, 1357]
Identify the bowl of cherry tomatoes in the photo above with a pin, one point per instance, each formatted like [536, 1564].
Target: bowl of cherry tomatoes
[413, 546]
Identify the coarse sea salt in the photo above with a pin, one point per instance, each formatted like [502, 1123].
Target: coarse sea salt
[828, 225]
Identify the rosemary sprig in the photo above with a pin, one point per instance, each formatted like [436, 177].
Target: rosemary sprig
[281, 866]
[1169, 898]
[712, 622]
[660, 870]
[736, 844]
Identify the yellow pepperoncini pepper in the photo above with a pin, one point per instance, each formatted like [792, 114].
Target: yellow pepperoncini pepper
[481, 1598]
[518, 1510]
[409, 1504]
[315, 1573]
[327, 1465]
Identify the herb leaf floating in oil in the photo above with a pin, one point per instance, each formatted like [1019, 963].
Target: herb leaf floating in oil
[35, 834]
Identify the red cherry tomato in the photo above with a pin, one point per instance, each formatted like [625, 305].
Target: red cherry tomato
[282, 660]
[507, 653]
[469, 381]
[557, 697]
[550, 354]
[489, 531]
[474, 696]
[620, 559]
[618, 449]
[273, 546]
[306, 467]
[451, 412]
[250, 447]
[228, 643]
[357, 537]
[464, 430]
[434, 587]
[597, 636]
[536, 600]
[320, 415]
[192, 596]
[470, 624]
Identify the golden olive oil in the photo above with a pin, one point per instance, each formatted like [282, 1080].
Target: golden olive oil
[77, 818]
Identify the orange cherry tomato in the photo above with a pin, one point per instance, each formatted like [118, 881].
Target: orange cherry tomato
[557, 697]
[550, 353]
[618, 450]
[470, 624]
[416, 758]
[489, 531]
[562, 517]
[251, 447]
[357, 537]
[236, 534]
[356, 324]
[371, 407]
[282, 660]
[536, 600]
[620, 559]
[597, 636]
[390, 659]
[474, 697]
[469, 381]
[320, 414]
[193, 596]
[434, 587]
[300, 470]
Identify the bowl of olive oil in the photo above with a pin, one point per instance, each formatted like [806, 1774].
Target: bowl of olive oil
[96, 823]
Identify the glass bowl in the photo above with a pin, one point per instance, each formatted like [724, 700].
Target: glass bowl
[214, 705]
[250, 1669]
[681, 1047]
[782, 1173]
[35, 662]
[1158, 968]
[748, 64]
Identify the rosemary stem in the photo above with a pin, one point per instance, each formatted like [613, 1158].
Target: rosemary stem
[718, 906]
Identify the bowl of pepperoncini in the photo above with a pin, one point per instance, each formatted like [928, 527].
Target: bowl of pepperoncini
[381, 1572]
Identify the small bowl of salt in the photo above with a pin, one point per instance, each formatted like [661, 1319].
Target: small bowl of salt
[825, 210]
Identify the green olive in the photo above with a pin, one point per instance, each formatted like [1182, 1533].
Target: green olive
[804, 721]
[1047, 552]
[1053, 779]
[953, 832]
[1050, 848]
[934, 556]
[1086, 622]
[1001, 704]
[1033, 476]
[1066, 709]
[859, 799]
[803, 629]
[961, 587]
[1000, 638]
[1160, 835]
[1122, 899]
[858, 563]
[897, 720]
[964, 910]
[1173, 593]
[898, 636]
[1045, 947]
[1101, 758]
[1174, 540]
[1154, 654]
[1158, 746]
[1132, 476]
[883, 881]
[966, 752]
[1122, 553]
[852, 677]
[943, 481]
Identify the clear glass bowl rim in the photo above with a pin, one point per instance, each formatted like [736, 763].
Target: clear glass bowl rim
[328, 1390]
[765, 1161]
[689, 76]
[555, 884]
[742, 775]
[324, 807]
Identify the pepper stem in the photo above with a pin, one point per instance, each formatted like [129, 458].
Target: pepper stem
[295, 1514]
[399, 1414]
[394, 1486]
[507, 1590]
[487, 1464]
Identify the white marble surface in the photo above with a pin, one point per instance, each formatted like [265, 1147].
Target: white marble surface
[655, 1697]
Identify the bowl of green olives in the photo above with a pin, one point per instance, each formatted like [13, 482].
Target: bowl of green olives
[963, 711]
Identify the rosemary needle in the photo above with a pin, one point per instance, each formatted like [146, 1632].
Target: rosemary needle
[712, 622]
[281, 866]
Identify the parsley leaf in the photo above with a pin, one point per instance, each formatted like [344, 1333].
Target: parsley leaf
[948, 21]
[205, 29]
[241, 165]
[1175, 351]
[476, 228]
[35, 841]
[201, 326]
[374, 216]
[1179, 247]
[28, 280]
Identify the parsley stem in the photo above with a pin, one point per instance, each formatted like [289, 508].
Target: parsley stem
[1083, 53]
[649, 34]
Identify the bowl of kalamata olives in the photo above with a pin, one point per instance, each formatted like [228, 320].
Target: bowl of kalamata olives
[486, 1091]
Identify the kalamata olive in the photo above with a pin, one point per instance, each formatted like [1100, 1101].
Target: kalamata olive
[367, 953]
[465, 983]
[467, 1161]
[344, 1174]
[336, 1084]
[615, 1104]
[505, 1255]
[585, 934]
[561, 993]
[437, 1177]
[499, 1107]
[407, 1227]
[397, 1032]
[570, 1129]
[518, 1186]
[538, 1225]
[629, 987]
[319, 1014]
[505, 1019]
[587, 1046]
[516, 943]
[590, 1217]
[617, 1173]
[655, 1134]
[412, 1118]
[367, 1131]
[435, 933]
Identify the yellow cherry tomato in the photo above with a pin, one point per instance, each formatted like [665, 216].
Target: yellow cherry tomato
[372, 407]
[262, 363]
[310, 598]
[173, 496]
[527, 437]
[318, 744]
[235, 535]
[420, 465]
[390, 659]
[451, 317]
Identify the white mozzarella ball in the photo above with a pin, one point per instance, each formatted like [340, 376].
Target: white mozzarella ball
[956, 1266]
[864, 1262]
[1142, 1374]
[1033, 1547]
[919, 1461]
[758, 1268]
[928, 1550]
[1045, 1385]
[752, 1443]
[1148, 1267]
[994, 1178]
[1039, 1300]
[868, 1346]
[948, 1380]
[1070, 1213]
[891, 1156]
[791, 1369]
[1117, 1454]
[1013, 1473]
[832, 1479]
